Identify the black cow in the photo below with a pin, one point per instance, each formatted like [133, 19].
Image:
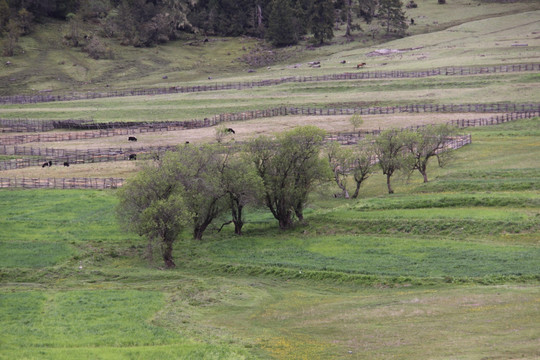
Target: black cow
[45, 164]
[132, 138]
[50, 163]
[66, 163]
[230, 130]
[132, 156]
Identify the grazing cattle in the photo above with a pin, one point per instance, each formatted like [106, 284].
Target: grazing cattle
[132, 156]
[187, 142]
[230, 130]
[132, 138]
[360, 65]
[343, 61]
[66, 164]
[45, 164]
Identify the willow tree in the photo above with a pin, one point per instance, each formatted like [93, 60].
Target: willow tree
[429, 142]
[289, 167]
[152, 204]
[389, 147]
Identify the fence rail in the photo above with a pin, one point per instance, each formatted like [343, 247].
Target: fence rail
[61, 183]
[120, 130]
[73, 156]
[113, 183]
[359, 75]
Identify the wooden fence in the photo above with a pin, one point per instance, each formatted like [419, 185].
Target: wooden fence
[61, 183]
[359, 75]
[530, 109]
[73, 156]
[113, 183]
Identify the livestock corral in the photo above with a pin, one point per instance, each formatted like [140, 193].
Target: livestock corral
[380, 276]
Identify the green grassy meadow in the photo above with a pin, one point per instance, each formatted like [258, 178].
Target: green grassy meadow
[448, 269]
[379, 277]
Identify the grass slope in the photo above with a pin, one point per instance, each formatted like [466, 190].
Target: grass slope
[380, 277]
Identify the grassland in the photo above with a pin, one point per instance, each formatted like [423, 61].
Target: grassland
[380, 277]
[443, 270]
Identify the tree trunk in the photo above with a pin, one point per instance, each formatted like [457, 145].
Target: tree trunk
[355, 195]
[390, 190]
[236, 213]
[238, 227]
[198, 232]
[424, 174]
[349, 19]
[167, 256]
[285, 221]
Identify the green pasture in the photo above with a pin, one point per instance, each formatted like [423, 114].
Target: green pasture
[447, 269]
[496, 88]
[379, 277]
[449, 36]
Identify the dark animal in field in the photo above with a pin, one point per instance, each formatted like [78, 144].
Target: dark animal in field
[50, 163]
[132, 138]
[66, 164]
[360, 65]
[230, 130]
[187, 142]
[412, 21]
[411, 5]
[45, 164]
[132, 156]
[343, 61]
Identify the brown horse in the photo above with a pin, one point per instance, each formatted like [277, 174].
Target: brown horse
[360, 65]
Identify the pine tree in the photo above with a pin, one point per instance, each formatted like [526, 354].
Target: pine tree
[392, 14]
[322, 20]
[281, 29]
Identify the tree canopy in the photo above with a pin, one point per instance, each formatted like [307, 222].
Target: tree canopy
[289, 167]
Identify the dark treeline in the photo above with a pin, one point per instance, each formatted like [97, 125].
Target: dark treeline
[144, 23]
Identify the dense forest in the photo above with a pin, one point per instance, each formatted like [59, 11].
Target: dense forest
[144, 23]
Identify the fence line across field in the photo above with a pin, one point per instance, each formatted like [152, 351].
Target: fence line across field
[61, 183]
[359, 75]
[113, 183]
[254, 114]
[74, 156]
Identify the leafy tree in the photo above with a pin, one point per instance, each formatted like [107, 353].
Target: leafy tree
[367, 9]
[340, 159]
[363, 164]
[73, 35]
[198, 170]
[281, 29]
[301, 16]
[428, 142]
[242, 186]
[152, 204]
[289, 168]
[25, 19]
[4, 14]
[393, 17]
[13, 31]
[356, 121]
[389, 149]
[148, 22]
[322, 20]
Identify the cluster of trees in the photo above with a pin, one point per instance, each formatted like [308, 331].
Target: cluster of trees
[196, 185]
[149, 22]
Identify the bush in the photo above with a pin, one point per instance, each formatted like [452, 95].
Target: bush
[97, 50]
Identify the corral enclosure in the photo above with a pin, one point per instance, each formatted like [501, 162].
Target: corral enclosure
[445, 269]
